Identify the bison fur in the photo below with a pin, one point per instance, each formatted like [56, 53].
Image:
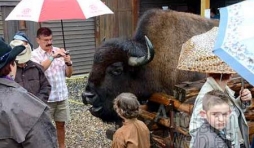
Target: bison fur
[111, 73]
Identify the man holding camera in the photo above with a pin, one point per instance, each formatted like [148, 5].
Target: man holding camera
[58, 65]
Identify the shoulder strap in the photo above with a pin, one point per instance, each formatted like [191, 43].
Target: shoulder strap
[228, 142]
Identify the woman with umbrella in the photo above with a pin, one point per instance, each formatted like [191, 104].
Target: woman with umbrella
[200, 58]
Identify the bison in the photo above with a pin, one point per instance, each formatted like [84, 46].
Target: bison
[144, 64]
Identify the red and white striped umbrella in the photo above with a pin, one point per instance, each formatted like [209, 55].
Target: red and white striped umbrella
[46, 10]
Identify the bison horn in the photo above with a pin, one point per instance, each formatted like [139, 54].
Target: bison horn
[138, 61]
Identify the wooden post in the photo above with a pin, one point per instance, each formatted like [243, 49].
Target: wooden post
[205, 4]
[22, 25]
[135, 12]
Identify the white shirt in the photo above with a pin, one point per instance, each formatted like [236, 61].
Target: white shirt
[55, 74]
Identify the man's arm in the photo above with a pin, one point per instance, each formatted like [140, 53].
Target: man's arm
[68, 71]
[37, 59]
[57, 54]
[46, 63]
[68, 63]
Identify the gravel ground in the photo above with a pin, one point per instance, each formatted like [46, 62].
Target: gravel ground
[84, 130]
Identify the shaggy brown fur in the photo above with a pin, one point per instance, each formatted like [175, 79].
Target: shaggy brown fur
[111, 74]
[168, 30]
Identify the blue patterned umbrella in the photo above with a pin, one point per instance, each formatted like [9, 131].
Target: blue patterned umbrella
[235, 40]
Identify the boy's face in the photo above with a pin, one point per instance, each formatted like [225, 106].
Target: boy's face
[217, 116]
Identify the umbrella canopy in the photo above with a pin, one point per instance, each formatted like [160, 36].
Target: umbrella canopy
[196, 55]
[46, 10]
[235, 41]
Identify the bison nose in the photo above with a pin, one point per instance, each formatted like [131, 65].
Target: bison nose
[88, 98]
[84, 98]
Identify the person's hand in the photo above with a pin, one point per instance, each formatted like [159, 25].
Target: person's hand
[67, 59]
[59, 53]
[245, 95]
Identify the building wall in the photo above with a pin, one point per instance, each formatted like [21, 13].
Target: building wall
[9, 2]
[192, 6]
[222, 3]
[119, 24]
[79, 35]
[179, 5]
[1, 25]
[79, 40]
[230, 2]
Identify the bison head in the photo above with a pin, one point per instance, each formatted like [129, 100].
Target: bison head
[130, 65]
[115, 63]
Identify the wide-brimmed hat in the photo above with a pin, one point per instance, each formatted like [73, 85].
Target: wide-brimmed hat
[197, 55]
[8, 54]
[25, 55]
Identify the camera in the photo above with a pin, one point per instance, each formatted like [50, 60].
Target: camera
[67, 52]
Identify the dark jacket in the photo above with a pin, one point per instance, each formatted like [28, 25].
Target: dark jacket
[24, 119]
[33, 79]
[209, 137]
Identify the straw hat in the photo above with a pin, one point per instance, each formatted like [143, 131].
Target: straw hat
[25, 55]
[196, 55]
[7, 54]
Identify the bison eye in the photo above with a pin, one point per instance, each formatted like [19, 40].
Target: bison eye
[117, 71]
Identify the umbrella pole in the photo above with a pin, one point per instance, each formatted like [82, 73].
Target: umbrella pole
[63, 34]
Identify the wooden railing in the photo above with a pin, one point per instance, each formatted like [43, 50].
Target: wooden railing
[182, 101]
